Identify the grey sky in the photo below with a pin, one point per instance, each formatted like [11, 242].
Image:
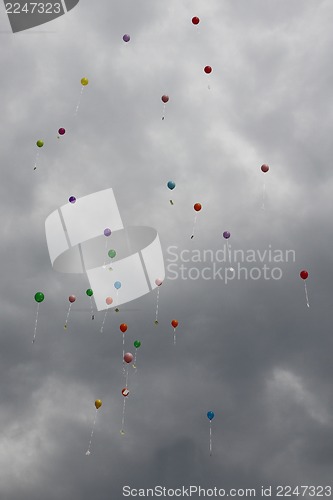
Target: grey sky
[249, 350]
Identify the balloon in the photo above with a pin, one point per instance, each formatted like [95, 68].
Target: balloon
[112, 253]
[72, 298]
[126, 38]
[117, 285]
[158, 282]
[137, 344]
[39, 297]
[109, 300]
[40, 143]
[125, 392]
[197, 207]
[207, 69]
[165, 98]
[171, 185]
[61, 131]
[195, 20]
[210, 415]
[89, 292]
[72, 199]
[98, 403]
[84, 81]
[304, 274]
[174, 323]
[128, 357]
[264, 168]
[107, 232]
[226, 235]
[123, 327]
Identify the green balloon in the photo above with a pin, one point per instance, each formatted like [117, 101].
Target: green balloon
[89, 292]
[39, 297]
[40, 143]
[112, 253]
[137, 343]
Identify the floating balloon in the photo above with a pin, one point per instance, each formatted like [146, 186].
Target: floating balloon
[107, 232]
[171, 185]
[90, 293]
[304, 275]
[61, 131]
[72, 199]
[165, 99]
[174, 324]
[123, 327]
[210, 416]
[264, 168]
[84, 83]
[71, 299]
[208, 69]
[197, 207]
[125, 392]
[39, 297]
[126, 38]
[117, 285]
[136, 344]
[158, 282]
[98, 404]
[112, 253]
[40, 144]
[226, 235]
[108, 301]
[195, 20]
[128, 357]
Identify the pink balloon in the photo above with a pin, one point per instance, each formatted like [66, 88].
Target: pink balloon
[158, 282]
[72, 299]
[109, 300]
[128, 357]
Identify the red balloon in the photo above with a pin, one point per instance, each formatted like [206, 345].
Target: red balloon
[304, 274]
[197, 207]
[72, 298]
[123, 327]
[125, 391]
[195, 20]
[174, 323]
[128, 357]
[165, 98]
[208, 69]
[264, 168]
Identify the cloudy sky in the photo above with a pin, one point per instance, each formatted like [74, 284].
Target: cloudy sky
[250, 350]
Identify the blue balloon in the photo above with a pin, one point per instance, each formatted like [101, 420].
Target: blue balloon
[210, 415]
[117, 285]
[171, 185]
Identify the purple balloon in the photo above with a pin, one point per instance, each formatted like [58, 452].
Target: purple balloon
[72, 199]
[61, 131]
[226, 235]
[107, 232]
[126, 38]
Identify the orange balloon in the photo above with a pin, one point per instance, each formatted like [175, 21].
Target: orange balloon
[174, 323]
[197, 207]
[123, 327]
[98, 403]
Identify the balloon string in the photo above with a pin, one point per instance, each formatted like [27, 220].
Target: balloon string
[195, 220]
[78, 104]
[69, 310]
[126, 382]
[174, 336]
[33, 340]
[102, 327]
[91, 305]
[123, 419]
[306, 295]
[37, 155]
[92, 432]
[210, 438]
[163, 113]
[105, 253]
[263, 196]
[123, 353]
[158, 295]
[134, 365]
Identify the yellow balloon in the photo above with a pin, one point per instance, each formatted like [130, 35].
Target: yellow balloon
[98, 403]
[84, 81]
